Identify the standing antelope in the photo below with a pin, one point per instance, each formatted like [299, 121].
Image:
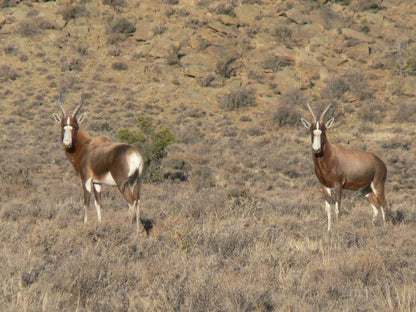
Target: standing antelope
[99, 161]
[339, 168]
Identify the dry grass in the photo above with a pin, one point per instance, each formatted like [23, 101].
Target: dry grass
[238, 219]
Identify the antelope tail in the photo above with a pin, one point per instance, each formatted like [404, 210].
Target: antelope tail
[131, 180]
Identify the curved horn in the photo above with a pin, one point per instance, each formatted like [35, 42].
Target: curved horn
[321, 119]
[76, 110]
[60, 104]
[311, 111]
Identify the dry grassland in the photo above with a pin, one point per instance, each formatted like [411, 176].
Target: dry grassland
[244, 228]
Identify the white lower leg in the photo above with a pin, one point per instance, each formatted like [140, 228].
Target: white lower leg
[85, 214]
[383, 214]
[98, 208]
[336, 210]
[375, 213]
[328, 213]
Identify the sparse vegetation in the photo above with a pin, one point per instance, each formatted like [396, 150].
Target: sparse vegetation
[238, 214]
[237, 98]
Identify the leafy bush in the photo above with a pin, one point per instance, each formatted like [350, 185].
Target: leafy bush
[152, 143]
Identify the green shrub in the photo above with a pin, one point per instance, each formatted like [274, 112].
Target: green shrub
[152, 143]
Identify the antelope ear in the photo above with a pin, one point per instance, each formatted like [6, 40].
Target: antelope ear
[81, 118]
[329, 123]
[57, 118]
[306, 123]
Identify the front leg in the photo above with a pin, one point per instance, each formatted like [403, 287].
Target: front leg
[86, 185]
[97, 195]
[338, 193]
[328, 199]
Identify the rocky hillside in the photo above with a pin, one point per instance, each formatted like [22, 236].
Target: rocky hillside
[238, 220]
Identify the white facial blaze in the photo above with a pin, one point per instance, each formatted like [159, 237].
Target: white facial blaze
[316, 142]
[67, 136]
[67, 140]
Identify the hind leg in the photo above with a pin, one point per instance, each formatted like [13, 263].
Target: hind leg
[378, 201]
[131, 195]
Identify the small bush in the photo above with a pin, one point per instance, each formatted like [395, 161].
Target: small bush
[282, 33]
[286, 115]
[224, 66]
[122, 25]
[372, 111]
[237, 98]
[226, 8]
[71, 64]
[355, 83]
[152, 143]
[406, 112]
[119, 66]
[173, 54]
[71, 11]
[275, 63]
[7, 73]
[115, 3]
[8, 3]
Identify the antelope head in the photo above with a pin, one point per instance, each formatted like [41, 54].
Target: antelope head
[318, 128]
[69, 123]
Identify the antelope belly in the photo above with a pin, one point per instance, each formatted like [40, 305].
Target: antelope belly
[106, 179]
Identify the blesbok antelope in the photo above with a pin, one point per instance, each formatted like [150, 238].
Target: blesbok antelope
[338, 168]
[99, 161]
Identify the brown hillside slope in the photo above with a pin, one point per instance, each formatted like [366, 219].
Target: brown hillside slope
[246, 231]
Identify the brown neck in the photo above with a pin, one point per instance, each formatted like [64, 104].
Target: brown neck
[321, 159]
[77, 150]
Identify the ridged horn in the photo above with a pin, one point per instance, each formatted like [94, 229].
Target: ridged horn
[76, 110]
[60, 104]
[311, 111]
[321, 119]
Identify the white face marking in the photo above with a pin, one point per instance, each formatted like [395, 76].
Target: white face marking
[67, 140]
[316, 142]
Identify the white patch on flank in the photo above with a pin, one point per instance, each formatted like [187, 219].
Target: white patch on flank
[88, 185]
[97, 187]
[135, 162]
[107, 180]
